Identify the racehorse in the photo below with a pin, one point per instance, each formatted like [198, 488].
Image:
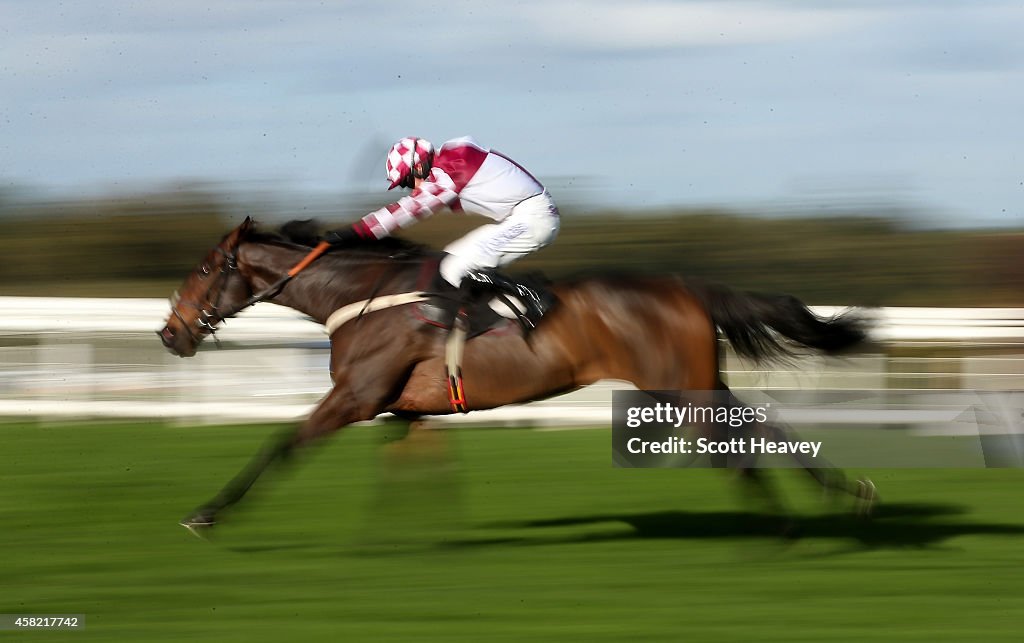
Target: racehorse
[657, 332]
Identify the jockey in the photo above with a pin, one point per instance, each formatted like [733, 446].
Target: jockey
[464, 175]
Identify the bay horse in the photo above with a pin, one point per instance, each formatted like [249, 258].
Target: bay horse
[657, 332]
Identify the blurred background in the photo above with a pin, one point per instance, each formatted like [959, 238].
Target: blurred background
[851, 153]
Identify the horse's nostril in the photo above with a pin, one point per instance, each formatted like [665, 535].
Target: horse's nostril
[166, 336]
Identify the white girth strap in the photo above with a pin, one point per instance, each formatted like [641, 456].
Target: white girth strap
[347, 313]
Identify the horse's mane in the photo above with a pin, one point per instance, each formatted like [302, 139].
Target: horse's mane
[307, 234]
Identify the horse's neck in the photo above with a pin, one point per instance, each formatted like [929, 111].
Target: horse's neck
[317, 291]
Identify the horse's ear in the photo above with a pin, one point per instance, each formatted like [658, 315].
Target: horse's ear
[239, 234]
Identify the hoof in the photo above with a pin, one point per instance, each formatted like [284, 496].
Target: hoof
[867, 497]
[199, 523]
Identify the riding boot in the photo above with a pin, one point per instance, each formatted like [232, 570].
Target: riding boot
[502, 285]
[444, 303]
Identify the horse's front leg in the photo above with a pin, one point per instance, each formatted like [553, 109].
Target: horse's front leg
[338, 409]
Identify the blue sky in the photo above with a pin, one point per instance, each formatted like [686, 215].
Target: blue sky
[775, 104]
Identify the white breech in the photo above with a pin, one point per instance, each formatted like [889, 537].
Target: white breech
[532, 225]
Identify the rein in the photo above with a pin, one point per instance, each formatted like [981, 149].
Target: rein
[208, 320]
[275, 287]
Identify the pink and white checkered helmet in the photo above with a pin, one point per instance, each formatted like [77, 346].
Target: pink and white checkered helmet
[406, 154]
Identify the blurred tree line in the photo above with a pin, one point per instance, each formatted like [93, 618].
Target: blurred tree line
[143, 245]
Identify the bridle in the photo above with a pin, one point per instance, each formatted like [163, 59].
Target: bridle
[207, 320]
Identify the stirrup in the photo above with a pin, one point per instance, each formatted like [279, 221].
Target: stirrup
[443, 302]
[441, 309]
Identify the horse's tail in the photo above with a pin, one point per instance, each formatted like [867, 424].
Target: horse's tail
[762, 326]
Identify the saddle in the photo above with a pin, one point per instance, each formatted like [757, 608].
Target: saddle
[488, 301]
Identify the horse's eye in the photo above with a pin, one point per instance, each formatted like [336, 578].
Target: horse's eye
[204, 270]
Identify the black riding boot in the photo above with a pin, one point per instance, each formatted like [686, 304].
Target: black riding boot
[444, 302]
[502, 285]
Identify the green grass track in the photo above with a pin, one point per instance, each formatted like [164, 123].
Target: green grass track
[484, 535]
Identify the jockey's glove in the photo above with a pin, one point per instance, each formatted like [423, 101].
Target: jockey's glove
[343, 237]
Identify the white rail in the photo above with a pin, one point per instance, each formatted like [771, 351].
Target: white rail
[75, 357]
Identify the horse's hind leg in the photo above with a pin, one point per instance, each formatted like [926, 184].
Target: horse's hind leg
[831, 479]
[757, 481]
